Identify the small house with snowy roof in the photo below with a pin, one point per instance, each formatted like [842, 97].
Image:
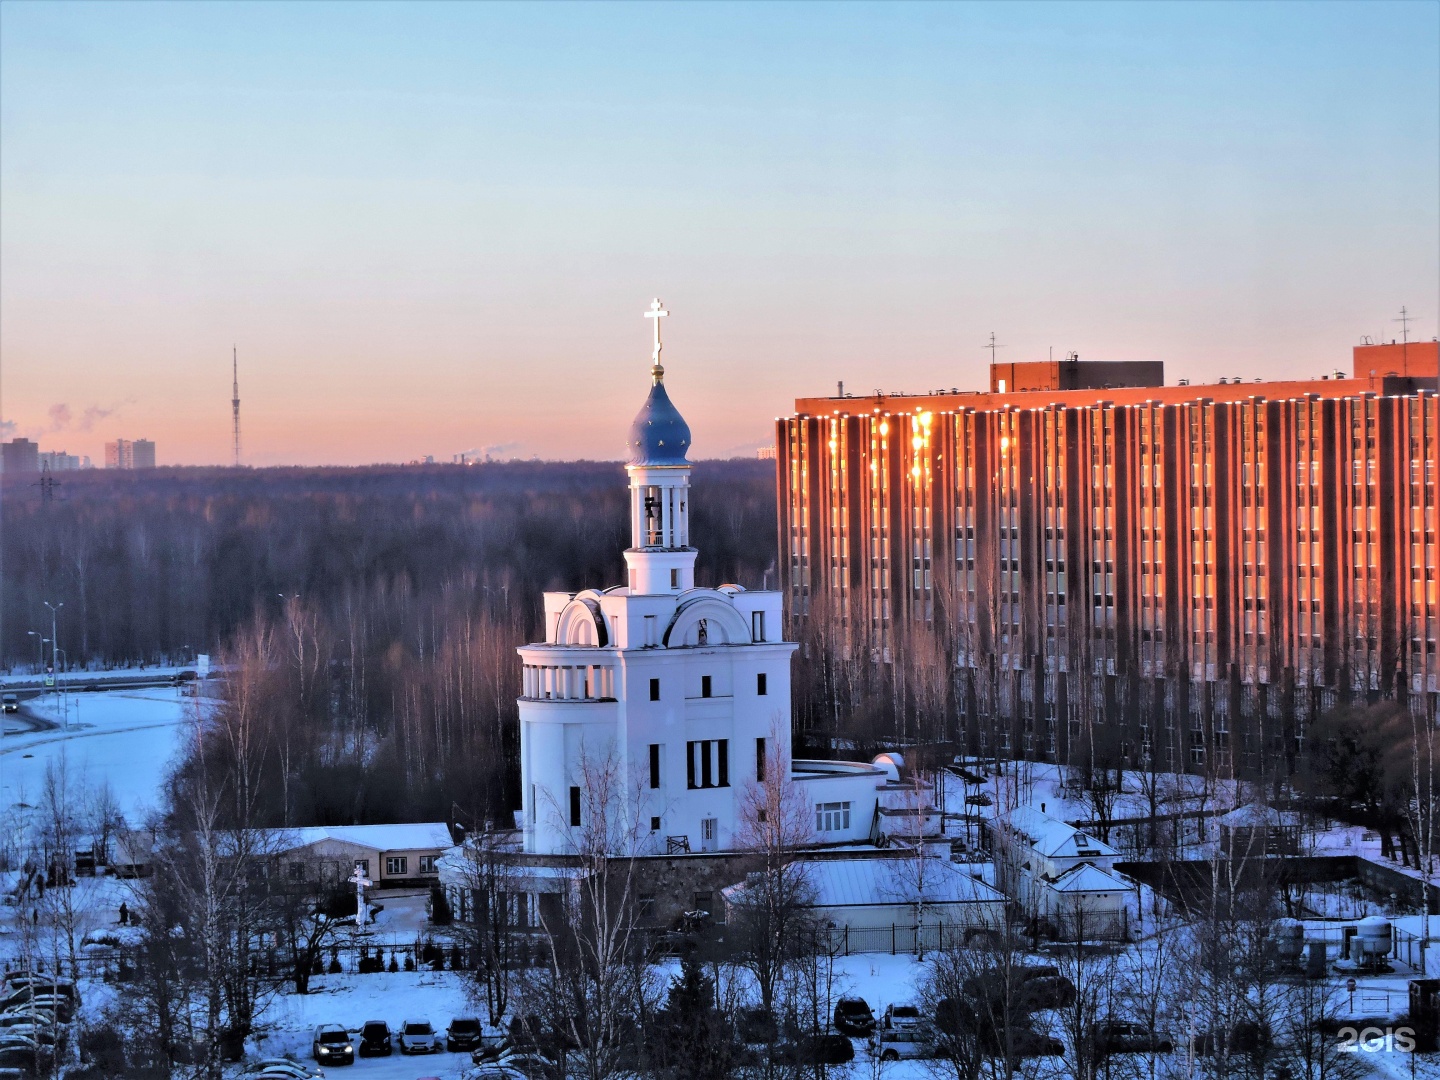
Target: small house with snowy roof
[1061, 874]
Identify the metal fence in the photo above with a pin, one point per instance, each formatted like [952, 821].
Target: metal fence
[895, 938]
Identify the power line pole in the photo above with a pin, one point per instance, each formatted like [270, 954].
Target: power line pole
[47, 485]
[235, 398]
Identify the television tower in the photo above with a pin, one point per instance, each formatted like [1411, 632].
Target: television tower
[235, 399]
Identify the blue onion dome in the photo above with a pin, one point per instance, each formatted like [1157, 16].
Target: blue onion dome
[659, 435]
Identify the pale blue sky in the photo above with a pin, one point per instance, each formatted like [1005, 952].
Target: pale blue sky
[432, 228]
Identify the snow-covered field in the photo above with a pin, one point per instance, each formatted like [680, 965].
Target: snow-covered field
[126, 737]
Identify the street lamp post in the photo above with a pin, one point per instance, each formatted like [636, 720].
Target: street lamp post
[54, 642]
[64, 698]
[40, 643]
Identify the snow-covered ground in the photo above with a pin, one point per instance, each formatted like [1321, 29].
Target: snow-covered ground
[127, 738]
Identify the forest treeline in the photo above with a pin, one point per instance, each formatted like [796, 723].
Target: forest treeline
[369, 616]
[154, 564]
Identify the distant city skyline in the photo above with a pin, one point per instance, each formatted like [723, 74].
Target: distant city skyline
[432, 229]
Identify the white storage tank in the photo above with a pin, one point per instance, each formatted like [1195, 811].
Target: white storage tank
[1374, 938]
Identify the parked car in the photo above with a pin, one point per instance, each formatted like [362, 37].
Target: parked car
[463, 1034]
[1031, 988]
[900, 1016]
[26, 1001]
[893, 1044]
[756, 1026]
[492, 1048]
[492, 1071]
[827, 1049]
[281, 1066]
[332, 1045]
[375, 1039]
[418, 1037]
[853, 1017]
[530, 1066]
[12, 703]
[25, 1058]
[18, 982]
[37, 997]
[1126, 1037]
[280, 1070]
[1026, 1042]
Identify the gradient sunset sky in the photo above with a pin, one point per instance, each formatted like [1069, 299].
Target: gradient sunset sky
[430, 229]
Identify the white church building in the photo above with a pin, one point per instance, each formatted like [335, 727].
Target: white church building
[684, 691]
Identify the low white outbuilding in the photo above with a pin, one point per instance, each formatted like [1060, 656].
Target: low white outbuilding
[877, 903]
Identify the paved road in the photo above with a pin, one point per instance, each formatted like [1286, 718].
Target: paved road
[30, 722]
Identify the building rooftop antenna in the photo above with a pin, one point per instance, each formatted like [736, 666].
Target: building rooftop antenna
[1405, 320]
[235, 398]
[992, 347]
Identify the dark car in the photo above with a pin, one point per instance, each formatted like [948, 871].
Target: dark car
[827, 1049]
[853, 1017]
[375, 1039]
[12, 703]
[1026, 1042]
[1124, 1037]
[1031, 988]
[756, 1026]
[332, 1045]
[463, 1034]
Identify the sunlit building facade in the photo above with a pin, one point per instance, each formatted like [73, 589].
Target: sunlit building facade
[1202, 569]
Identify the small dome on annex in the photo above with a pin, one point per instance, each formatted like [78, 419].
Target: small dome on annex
[659, 435]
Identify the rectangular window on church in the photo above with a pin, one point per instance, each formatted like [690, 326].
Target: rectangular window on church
[574, 806]
[707, 763]
[654, 765]
[654, 689]
[760, 687]
[759, 761]
[832, 817]
[757, 625]
[704, 685]
[674, 579]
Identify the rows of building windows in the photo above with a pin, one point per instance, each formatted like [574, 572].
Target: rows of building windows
[1273, 542]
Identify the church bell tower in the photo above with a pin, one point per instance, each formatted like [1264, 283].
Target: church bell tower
[660, 558]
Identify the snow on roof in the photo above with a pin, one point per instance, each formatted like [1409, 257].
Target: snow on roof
[1088, 878]
[1254, 815]
[875, 881]
[1054, 838]
[417, 836]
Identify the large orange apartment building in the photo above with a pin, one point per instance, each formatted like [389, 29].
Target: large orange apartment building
[1205, 567]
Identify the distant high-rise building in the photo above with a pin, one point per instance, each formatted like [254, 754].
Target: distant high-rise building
[20, 456]
[60, 461]
[765, 453]
[128, 454]
[1200, 569]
